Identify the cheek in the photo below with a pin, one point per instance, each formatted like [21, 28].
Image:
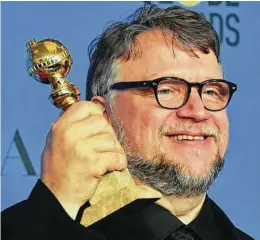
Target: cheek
[150, 123]
[148, 141]
[222, 123]
[140, 122]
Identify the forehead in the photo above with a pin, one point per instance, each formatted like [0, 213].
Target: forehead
[161, 57]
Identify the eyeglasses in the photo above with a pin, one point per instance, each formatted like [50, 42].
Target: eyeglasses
[174, 92]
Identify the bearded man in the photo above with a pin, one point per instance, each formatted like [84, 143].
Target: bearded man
[156, 104]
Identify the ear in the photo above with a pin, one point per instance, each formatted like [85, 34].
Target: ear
[101, 101]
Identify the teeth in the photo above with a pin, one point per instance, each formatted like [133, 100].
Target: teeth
[179, 137]
[187, 137]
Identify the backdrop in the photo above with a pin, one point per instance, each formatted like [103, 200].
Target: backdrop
[27, 113]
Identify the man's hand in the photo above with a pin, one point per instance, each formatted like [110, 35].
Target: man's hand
[80, 148]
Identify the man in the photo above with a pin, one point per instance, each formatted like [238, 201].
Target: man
[156, 104]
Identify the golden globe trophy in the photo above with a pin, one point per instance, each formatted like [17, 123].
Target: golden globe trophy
[49, 63]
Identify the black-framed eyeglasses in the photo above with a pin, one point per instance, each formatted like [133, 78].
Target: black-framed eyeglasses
[174, 92]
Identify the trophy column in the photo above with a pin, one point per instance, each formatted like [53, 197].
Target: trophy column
[49, 63]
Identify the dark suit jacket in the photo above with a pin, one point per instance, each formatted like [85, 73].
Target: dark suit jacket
[41, 217]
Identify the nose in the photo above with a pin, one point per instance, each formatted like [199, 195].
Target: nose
[194, 108]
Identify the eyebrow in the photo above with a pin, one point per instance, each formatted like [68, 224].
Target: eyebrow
[156, 76]
[179, 75]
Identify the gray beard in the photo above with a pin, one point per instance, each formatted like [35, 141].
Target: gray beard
[170, 179]
[163, 174]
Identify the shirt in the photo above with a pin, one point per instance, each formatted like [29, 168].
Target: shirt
[42, 217]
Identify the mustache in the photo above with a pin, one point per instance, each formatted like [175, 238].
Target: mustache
[181, 127]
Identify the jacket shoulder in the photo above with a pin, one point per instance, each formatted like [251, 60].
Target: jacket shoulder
[10, 214]
[241, 235]
[14, 219]
[227, 224]
[42, 217]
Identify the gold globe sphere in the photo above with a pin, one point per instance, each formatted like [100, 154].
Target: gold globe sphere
[49, 62]
[47, 59]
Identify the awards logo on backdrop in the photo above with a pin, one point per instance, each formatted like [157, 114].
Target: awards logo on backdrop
[27, 114]
[227, 25]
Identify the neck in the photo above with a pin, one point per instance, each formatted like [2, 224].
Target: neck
[186, 209]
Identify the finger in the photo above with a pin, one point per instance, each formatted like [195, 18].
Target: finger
[81, 110]
[104, 142]
[86, 128]
[108, 162]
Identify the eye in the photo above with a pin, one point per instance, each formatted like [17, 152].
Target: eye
[215, 90]
[164, 91]
[211, 93]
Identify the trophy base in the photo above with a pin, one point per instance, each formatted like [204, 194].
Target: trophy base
[126, 200]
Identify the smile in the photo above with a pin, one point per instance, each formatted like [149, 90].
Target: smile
[188, 137]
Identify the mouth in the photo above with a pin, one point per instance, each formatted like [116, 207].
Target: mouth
[190, 138]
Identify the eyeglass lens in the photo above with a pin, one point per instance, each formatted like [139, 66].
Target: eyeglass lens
[173, 94]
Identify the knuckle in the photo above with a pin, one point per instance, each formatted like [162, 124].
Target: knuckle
[96, 118]
[81, 110]
[117, 158]
[119, 149]
[102, 120]
[56, 131]
[98, 170]
[58, 126]
[99, 121]
[90, 106]
[55, 126]
[123, 161]
[110, 140]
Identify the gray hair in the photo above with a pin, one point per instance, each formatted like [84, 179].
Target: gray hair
[118, 42]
